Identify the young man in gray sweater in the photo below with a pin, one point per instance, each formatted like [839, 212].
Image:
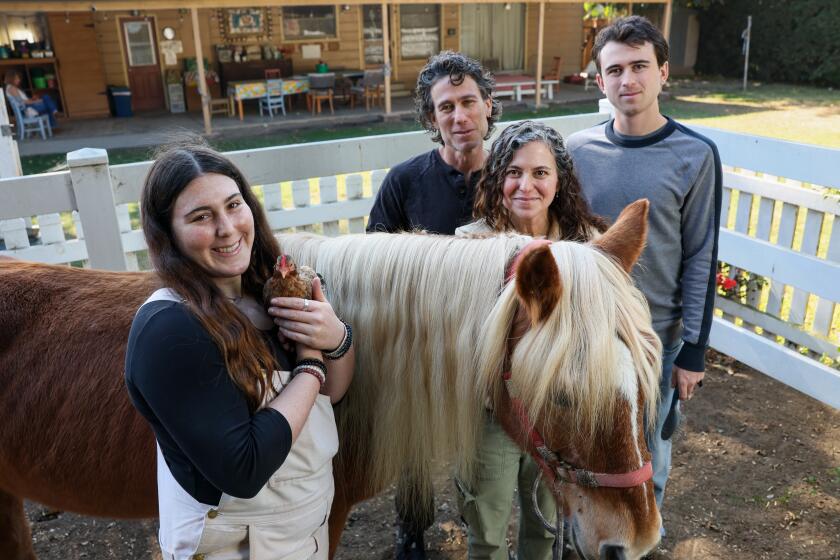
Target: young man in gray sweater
[642, 154]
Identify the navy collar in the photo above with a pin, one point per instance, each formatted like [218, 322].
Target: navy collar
[640, 141]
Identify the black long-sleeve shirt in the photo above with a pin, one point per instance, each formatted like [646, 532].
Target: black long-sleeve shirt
[177, 379]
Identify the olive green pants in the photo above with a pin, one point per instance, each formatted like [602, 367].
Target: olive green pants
[485, 505]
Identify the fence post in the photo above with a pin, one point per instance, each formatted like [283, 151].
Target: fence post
[604, 106]
[97, 209]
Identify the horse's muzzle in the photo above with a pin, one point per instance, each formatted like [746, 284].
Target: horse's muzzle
[613, 552]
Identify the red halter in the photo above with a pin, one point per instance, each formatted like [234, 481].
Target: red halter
[547, 459]
[563, 471]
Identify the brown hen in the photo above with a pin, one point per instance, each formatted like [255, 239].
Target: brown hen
[288, 280]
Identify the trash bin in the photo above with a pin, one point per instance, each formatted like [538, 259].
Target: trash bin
[119, 101]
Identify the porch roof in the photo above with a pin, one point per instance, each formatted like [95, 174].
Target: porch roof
[105, 5]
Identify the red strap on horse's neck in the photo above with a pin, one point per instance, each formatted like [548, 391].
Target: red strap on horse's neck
[558, 469]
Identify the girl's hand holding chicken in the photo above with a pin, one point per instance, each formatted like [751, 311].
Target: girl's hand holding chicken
[308, 322]
[311, 324]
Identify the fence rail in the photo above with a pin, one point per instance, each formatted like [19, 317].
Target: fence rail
[781, 230]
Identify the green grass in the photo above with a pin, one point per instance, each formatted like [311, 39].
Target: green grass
[803, 114]
[797, 113]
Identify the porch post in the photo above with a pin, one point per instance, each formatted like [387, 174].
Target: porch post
[666, 23]
[630, 7]
[540, 33]
[386, 53]
[202, 80]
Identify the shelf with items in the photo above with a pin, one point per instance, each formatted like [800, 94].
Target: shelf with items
[32, 69]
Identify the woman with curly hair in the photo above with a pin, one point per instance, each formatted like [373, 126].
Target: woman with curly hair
[527, 186]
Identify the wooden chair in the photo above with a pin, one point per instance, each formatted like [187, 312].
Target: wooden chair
[369, 88]
[221, 106]
[588, 75]
[491, 64]
[555, 70]
[321, 89]
[272, 74]
[28, 125]
[274, 98]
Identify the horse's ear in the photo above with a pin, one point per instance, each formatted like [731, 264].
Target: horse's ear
[538, 282]
[626, 238]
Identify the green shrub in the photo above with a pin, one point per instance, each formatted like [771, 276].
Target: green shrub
[792, 41]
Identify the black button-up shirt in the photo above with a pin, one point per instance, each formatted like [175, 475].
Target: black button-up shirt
[425, 193]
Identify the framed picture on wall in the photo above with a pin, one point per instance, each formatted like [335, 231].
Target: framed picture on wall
[245, 24]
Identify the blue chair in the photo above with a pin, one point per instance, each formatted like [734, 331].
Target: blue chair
[273, 98]
[27, 125]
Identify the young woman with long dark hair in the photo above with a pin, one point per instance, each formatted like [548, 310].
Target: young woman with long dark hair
[244, 428]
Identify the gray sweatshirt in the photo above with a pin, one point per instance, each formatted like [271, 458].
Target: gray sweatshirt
[679, 171]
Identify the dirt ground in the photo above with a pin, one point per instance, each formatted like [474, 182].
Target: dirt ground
[756, 474]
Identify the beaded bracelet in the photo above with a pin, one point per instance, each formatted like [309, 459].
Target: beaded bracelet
[311, 370]
[311, 366]
[311, 362]
[344, 347]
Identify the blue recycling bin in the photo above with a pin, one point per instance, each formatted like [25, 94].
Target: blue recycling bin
[119, 98]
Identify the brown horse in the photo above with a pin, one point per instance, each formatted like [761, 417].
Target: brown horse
[434, 336]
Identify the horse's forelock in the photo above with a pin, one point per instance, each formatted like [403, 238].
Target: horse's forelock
[576, 352]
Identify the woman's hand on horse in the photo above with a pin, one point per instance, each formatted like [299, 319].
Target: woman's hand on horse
[313, 324]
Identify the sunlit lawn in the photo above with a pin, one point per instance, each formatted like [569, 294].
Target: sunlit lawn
[796, 113]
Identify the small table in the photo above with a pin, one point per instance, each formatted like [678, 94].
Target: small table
[254, 89]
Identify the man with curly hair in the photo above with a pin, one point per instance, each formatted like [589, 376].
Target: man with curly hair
[434, 192]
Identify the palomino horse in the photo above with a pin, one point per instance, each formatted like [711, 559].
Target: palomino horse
[436, 329]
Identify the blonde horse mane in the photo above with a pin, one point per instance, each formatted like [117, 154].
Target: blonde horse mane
[431, 335]
[417, 304]
[601, 317]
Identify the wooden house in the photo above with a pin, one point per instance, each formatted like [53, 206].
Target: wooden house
[146, 46]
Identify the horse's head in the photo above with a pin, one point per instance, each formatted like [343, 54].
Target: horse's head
[583, 367]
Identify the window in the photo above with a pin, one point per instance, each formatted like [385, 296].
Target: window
[372, 33]
[309, 22]
[419, 30]
[139, 43]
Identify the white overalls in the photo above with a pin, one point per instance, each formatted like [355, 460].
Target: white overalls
[286, 520]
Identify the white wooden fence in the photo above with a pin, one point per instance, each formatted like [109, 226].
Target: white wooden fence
[783, 231]
[780, 221]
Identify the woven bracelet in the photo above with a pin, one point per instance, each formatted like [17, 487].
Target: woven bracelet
[344, 347]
